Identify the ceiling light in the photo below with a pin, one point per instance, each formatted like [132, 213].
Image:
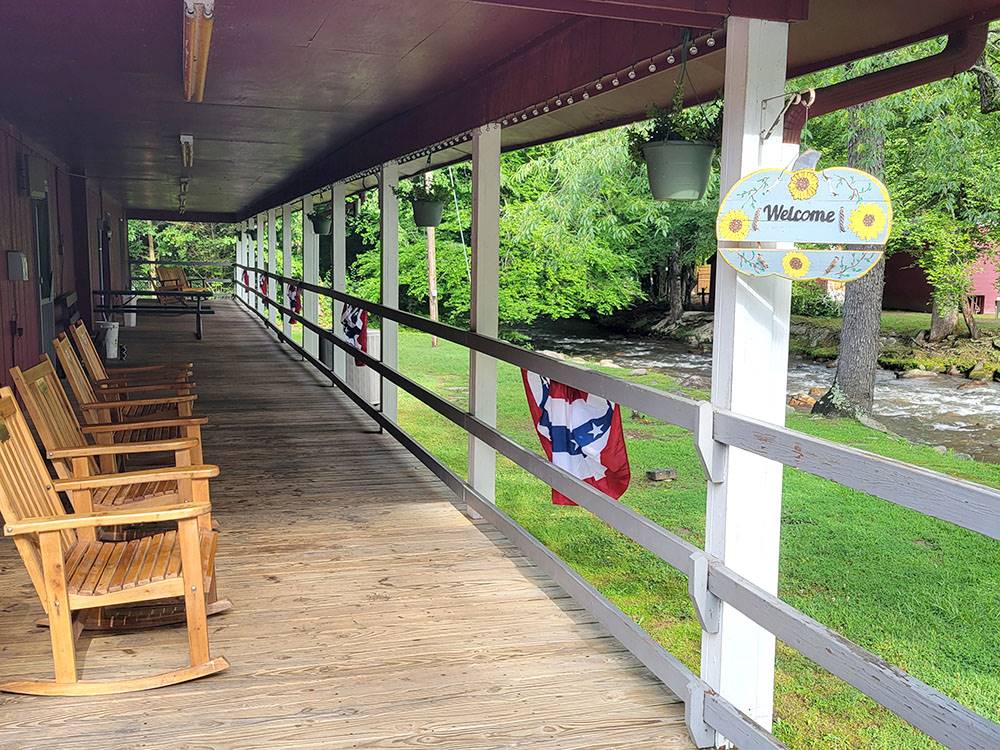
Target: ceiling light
[199, 16]
[187, 150]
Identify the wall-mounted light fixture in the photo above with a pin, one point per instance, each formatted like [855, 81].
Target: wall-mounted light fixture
[199, 16]
[187, 150]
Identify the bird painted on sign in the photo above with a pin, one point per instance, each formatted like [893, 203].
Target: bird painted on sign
[833, 264]
[807, 159]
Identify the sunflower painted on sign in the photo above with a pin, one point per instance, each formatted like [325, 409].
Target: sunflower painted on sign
[867, 221]
[795, 264]
[803, 184]
[734, 226]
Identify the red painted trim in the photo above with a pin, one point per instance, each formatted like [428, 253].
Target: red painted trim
[695, 14]
[615, 11]
[960, 53]
[973, 19]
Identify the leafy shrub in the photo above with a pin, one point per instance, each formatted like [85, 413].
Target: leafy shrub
[809, 299]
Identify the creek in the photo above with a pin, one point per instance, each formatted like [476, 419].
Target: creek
[932, 410]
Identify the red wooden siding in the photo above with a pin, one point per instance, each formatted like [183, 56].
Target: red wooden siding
[20, 323]
[906, 286]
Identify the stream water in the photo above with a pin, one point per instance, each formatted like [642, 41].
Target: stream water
[929, 410]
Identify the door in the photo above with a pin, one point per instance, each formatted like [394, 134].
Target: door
[43, 254]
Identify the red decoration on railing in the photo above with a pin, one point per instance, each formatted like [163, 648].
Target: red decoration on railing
[355, 322]
[294, 298]
[246, 277]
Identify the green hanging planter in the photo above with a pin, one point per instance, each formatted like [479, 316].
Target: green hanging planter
[322, 223]
[427, 213]
[678, 170]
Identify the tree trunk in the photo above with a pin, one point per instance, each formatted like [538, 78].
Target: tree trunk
[675, 288]
[943, 323]
[852, 392]
[989, 86]
[970, 319]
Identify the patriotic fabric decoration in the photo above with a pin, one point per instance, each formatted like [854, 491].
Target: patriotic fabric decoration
[294, 297]
[355, 322]
[246, 277]
[580, 433]
[263, 284]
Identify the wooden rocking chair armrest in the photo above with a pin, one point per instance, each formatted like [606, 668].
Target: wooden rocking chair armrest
[143, 424]
[123, 372]
[171, 385]
[105, 405]
[164, 513]
[148, 446]
[165, 474]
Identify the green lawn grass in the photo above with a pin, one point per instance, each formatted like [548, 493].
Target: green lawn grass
[909, 324]
[919, 592]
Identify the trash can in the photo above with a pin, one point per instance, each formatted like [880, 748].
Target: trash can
[107, 333]
[130, 316]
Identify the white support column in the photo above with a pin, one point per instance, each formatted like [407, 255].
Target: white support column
[389, 223]
[338, 215]
[241, 259]
[261, 259]
[286, 257]
[272, 261]
[483, 314]
[310, 274]
[749, 373]
[254, 263]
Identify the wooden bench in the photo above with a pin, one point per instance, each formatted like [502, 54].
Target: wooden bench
[175, 279]
[74, 574]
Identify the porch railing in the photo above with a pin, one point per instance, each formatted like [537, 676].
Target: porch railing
[710, 582]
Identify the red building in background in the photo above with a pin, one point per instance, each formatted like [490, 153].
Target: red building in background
[906, 286]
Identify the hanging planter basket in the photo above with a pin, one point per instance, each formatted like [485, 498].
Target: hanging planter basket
[252, 234]
[427, 213]
[322, 223]
[678, 170]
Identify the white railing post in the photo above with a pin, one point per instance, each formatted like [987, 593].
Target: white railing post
[389, 223]
[483, 312]
[241, 260]
[310, 274]
[272, 261]
[749, 372]
[286, 258]
[338, 216]
[258, 261]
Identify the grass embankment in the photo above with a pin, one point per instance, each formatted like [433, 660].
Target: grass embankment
[902, 349]
[921, 593]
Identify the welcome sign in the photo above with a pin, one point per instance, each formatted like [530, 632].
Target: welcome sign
[838, 206]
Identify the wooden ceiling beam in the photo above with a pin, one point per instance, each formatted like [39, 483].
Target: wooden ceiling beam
[695, 14]
[616, 11]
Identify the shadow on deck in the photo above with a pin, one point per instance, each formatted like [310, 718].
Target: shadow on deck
[369, 612]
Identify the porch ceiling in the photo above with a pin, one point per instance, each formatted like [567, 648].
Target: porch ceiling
[300, 94]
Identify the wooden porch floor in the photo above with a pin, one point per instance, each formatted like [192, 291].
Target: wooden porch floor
[369, 612]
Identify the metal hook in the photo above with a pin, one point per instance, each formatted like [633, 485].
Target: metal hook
[791, 100]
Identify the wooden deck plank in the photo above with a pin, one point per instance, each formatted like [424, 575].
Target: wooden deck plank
[369, 612]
